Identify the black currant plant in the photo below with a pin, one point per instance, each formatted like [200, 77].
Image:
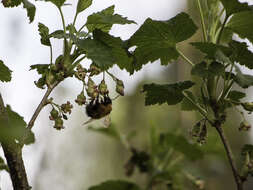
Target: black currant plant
[217, 74]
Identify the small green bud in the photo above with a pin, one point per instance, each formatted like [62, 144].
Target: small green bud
[91, 83]
[53, 67]
[94, 70]
[54, 114]
[58, 124]
[248, 106]
[103, 88]
[90, 91]
[50, 78]
[244, 126]
[81, 99]
[66, 108]
[60, 75]
[120, 87]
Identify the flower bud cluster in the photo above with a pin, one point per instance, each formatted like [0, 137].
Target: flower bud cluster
[199, 131]
[58, 115]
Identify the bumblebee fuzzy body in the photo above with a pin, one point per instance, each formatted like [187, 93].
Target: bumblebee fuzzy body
[98, 110]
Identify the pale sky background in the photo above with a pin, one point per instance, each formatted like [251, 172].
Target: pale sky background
[20, 47]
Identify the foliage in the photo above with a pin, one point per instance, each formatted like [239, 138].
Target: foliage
[218, 71]
[5, 72]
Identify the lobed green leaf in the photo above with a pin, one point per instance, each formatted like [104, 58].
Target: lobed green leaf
[44, 34]
[236, 95]
[5, 72]
[82, 5]
[243, 80]
[157, 39]
[241, 54]
[3, 166]
[30, 8]
[122, 57]
[168, 93]
[211, 49]
[105, 19]
[11, 3]
[241, 23]
[206, 71]
[14, 128]
[234, 6]
[41, 68]
[98, 52]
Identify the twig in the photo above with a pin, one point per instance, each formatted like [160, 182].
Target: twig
[37, 111]
[40, 106]
[230, 156]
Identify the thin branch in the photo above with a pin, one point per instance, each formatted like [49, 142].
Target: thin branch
[230, 156]
[40, 106]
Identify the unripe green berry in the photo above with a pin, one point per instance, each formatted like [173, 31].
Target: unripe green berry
[81, 99]
[103, 88]
[54, 114]
[58, 124]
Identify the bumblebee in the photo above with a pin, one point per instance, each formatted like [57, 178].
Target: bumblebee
[98, 109]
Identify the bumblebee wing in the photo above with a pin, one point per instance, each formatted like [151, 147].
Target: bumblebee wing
[87, 122]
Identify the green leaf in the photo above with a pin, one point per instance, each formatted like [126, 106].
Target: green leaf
[30, 8]
[180, 144]
[241, 54]
[157, 39]
[122, 57]
[234, 6]
[58, 34]
[200, 70]
[204, 71]
[58, 3]
[3, 166]
[44, 34]
[241, 23]
[187, 105]
[41, 68]
[216, 69]
[211, 49]
[167, 93]
[110, 131]
[115, 185]
[82, 5]
[14, 128]
[98, 52]
[105, 19]
[243, 80]
[5, 72]
[236, 95]
[11, 3]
